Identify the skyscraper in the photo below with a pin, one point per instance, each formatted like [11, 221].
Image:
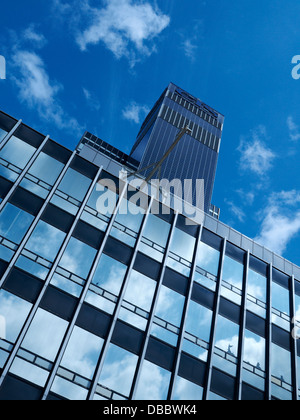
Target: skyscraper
[196, 155]
[130, 303]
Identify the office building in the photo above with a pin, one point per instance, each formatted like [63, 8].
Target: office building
[130, 305]
[196, 155]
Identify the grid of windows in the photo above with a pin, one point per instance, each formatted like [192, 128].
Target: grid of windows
[97, 305]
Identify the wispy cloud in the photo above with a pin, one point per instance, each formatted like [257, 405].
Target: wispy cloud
[237, 211]
[280, 221]
[255, 156]
[91, 99]
[135, 112]
[31, 34]
[125, 27]
[190, 43]
[38, 91]
[294, 129]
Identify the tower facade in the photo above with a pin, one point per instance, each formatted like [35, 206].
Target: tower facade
[196, 155]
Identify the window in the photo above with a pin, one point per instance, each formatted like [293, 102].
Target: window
[232, 283]
[14, 157]
[41, 249]
[42, 175]
[281, 372]
[39, 347]
[207, 266]
[71, 191]
[82, 353]
[14, 310]
[168, 315]
[153, 383]
[155, 237]
[254, 360]
[137, 300]
[226, 345]
[128, 222]
[256, 293]
[181, 252]
[187, 391]
[78, 258]
[118, 370]
[14, 224]
[281, 306]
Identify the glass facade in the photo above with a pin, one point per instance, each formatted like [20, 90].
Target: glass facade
[113, 306]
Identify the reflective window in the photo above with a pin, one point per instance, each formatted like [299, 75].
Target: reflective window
[168, 315]
[45, 334]
[256, 293]
[226, 345]
[14, 223]
[71, 191]
[68, 389]
[78, 258]
[139, 292]
[281, 370]
[42, 175]
[281, 363]
[232, 283]
[281, 306]
[198, 321]
[254, 360]
[128, 222]
[110, 274]
[208, 258]
[45, 241]
[155, 237]
[118, 370]
[100, 207]
[82, 353]
[187, 391]
[17, 153]
[153, 383]
[14, 310]
[181, 252]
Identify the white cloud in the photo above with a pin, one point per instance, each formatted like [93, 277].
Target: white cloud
[124, 27]
[135, 112]
[255, 155]
[38, 91]
[237, 211]
[294, 129]
[190, 48]
[92, 100]
[31, 34]
[280, 221]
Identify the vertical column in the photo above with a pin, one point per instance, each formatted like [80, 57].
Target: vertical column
[118, 307]
[11, 133]
[152, 312]
[214, 323]
[184, 316]
[294, 340]
[269, 335]
[242, 329]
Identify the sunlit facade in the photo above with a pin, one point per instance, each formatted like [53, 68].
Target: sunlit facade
[130, 307]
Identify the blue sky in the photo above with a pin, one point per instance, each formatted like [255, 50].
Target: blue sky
[99, 65]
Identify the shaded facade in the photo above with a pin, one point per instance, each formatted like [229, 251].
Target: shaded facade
[114, 306]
